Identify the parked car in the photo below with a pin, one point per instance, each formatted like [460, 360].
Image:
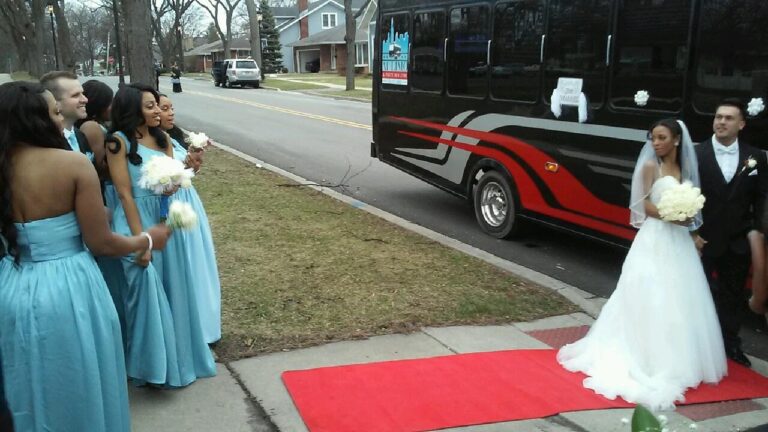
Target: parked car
[312, 66]
[232, 72]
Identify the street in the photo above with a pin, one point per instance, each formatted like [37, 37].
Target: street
[327, 141]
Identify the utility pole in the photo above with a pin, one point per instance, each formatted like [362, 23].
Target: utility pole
[49, 8]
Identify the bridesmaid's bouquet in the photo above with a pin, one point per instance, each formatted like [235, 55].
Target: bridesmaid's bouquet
[161, 174]
[181, 216]
[680, 203]
[197, 141]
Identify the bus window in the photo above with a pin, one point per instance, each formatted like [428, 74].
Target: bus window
[394, 53]
[428, 46]
[651, 53]
[468, 59]
[732, 59]
[576, 43]
[518, 27]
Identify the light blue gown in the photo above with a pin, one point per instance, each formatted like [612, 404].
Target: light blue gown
[63, 361]
[161, 348]
[199, 259]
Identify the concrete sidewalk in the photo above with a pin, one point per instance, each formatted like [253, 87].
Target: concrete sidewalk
[228, 402]
[248, 395]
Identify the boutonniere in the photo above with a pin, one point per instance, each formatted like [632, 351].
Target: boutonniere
[749, 164]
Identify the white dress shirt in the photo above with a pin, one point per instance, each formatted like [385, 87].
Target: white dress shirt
[727, 157]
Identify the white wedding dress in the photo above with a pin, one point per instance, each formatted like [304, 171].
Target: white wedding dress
[658, 334]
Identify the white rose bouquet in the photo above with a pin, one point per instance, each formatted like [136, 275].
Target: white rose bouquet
[680, 203]
[197, 141]
[161, 174]
[181, 216]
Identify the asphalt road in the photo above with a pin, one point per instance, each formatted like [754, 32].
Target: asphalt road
[328, 141]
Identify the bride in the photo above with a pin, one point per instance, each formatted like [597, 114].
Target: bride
[658, 334]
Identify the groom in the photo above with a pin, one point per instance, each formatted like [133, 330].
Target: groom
[733, 179]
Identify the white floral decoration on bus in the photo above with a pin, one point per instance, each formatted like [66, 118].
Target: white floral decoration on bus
[755, 106]
[641, 97]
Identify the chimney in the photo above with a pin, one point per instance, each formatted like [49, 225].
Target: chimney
[304, 22]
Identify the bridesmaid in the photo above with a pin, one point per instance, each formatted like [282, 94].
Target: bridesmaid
[63, 363]
[94, 128]
[200, 256]
[165, 343]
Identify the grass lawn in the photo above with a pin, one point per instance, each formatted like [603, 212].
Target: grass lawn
[290, 85]
[299, 268]
[22, 76]
[357, 94]
[329, 78]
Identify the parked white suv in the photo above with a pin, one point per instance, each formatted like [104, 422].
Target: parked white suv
[241, 72]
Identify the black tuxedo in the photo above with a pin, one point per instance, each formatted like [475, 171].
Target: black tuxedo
[732, 209]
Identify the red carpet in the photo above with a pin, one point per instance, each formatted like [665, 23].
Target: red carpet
[462, 390]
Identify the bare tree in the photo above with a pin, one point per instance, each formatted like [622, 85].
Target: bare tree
[66, 50]
[25, 22]
[169, 17]
[89, 33]
[138, 40]
[215, 8]
[349, 38]
[255, 39]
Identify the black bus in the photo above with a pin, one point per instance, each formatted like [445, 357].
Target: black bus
[537, 109]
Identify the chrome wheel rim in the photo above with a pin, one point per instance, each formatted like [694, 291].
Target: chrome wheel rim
[494, 204]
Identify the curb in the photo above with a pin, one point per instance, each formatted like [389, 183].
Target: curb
[586, 301]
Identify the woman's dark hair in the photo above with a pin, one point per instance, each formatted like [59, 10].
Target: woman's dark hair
[24, 118]
[127, 116]
[99, 99]
[677, 132]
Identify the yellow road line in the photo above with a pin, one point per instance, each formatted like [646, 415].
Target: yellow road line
[283, 110]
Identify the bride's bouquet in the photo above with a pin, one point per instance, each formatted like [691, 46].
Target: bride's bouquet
[161, 174]
[680, 203]
[197, 141]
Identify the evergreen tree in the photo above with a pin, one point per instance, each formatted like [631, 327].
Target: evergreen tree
[211, 34]
[271, 55]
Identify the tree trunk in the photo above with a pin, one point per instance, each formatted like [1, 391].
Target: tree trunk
[255, 39]
[179, 43]
[138, 41]
[66, 51]
[349, 38]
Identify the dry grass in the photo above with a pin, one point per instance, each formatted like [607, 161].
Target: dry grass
[330, 78]
[299, 268]
[291, 85]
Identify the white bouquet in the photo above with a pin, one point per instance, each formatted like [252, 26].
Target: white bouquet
[181, 216]
[197, 141]
[680, 203]
[162, 173]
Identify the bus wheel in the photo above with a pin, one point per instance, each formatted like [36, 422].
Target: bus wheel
[495, 208]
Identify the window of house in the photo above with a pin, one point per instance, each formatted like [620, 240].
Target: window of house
[732, 53]
[468, 51]
[361, 54]
[428, 51]
[329, 20]
[651, 53]
[516, 62]
[576, 45]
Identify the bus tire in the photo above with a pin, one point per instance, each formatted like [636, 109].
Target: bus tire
[495, 206]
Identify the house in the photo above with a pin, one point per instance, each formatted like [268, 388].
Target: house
[308, 19]
[199, 59]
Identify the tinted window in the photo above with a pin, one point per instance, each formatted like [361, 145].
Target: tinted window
[428, 46]
[576, 45]
[246, 65]
[651, 53]
[468, 55]
[395, 43]
[518, 27]
[733, 52]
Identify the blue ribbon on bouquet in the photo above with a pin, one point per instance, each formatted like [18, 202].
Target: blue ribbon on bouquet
[164, 205]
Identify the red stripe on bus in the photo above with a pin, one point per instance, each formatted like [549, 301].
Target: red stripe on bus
[568, 191]
[529, 193]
